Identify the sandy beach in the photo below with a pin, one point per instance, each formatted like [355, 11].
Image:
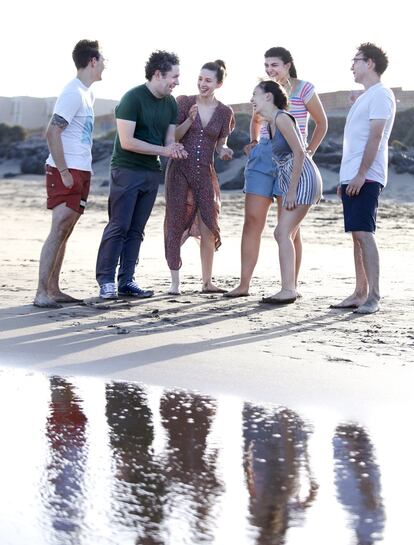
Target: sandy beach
[304, 352]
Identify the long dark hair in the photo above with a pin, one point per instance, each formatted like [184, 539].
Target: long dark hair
[280, 98]
[284, 54]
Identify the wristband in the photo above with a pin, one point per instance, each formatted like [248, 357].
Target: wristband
[63, 170]
[253, 142]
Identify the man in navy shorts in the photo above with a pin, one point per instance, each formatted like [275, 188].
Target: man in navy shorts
[68, 168]
[364, 171]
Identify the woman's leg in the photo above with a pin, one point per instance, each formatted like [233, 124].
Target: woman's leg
[255, 214]
[297, 242]
[207, 249]
[288, 224]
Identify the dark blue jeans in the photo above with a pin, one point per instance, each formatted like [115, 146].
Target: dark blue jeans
[132, 195]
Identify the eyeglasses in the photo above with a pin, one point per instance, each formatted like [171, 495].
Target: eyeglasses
[355, 59]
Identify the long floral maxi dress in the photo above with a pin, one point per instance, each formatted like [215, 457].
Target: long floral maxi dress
[191, 185]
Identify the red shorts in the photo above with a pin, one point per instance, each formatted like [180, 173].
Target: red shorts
[58, 193]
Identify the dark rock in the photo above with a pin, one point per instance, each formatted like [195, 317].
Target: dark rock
[33, 165]
[105, 183]
[101, 149]
[236, 183]
[330, 158]
[237, 140]
[10, 175]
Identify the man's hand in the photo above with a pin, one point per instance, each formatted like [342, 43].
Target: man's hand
[354, 186]
[176, 151]
[67, 179]
[339, 190]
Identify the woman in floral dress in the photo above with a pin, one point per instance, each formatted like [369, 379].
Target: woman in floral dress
[192, 191]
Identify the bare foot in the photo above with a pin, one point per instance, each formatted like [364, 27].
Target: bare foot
[236, 292]
[353, 301]
[212, 288]
[282, 297]
[61, 297]
[174, 289]
[44, 301]
[369, 307]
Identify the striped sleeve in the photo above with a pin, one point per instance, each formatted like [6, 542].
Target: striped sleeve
[307, 92]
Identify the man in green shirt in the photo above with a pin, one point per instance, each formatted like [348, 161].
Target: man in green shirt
[145, 122]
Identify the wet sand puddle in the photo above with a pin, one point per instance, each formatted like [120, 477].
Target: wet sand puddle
[84, 461]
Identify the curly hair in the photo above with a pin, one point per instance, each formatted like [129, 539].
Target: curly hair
[162, 61]
[376, 54]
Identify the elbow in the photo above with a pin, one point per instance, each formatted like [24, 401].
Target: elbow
[125, 143]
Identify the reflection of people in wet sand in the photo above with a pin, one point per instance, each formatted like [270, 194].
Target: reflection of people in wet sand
[357, 479]
[277, 471]
[139, 487]
[65, 431]
[189, 466]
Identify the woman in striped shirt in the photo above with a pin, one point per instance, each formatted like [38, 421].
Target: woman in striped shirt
[261, 186]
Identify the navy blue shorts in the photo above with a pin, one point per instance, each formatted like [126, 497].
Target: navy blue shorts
[360, 211]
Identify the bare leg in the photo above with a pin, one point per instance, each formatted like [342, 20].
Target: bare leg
[370, 259]
[207, 249]
[175, 283]
[53, 287]
[288, 224]
[359, 296]
[255, 214]
[63, 221]
[297, 241]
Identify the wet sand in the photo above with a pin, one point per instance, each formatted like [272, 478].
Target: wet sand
[304, 353]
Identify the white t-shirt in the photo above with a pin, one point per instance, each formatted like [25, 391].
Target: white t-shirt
[377, 102]
[75, 105]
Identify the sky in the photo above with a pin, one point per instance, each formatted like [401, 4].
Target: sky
[37, 39]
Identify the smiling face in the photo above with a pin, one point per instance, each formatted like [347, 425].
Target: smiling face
[207, 83]
[276, 69]
[164, 84]
[259, 99]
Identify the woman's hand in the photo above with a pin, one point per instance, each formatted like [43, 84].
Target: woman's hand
[290, 200]
[225, 153]
[192, 112]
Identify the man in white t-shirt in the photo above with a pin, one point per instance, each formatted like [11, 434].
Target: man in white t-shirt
[68, 168]
[364, 171]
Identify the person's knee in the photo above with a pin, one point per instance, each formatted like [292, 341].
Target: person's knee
[254, 222]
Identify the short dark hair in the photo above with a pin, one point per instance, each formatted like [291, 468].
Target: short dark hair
[162, 61]
[376, 54]
[84, 51]
[284, 54]
[218, 67]
[280, 98]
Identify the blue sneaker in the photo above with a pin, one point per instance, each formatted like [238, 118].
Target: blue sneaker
[133, 290]
[108, 291]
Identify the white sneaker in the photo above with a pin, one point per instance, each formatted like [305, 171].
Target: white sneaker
[108, 291]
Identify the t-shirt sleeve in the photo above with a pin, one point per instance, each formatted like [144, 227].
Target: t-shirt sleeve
[183, 108]
[128, 108]
[67, 105]
[228, 124]
[381, 106]
[308, 90]
[174, 112]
